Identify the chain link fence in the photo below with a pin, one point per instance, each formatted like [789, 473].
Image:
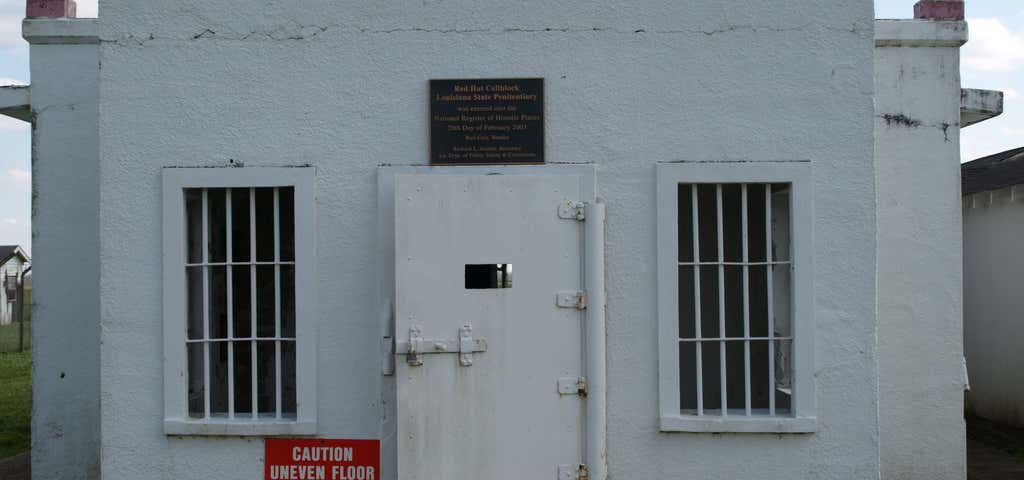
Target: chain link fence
[16, 336]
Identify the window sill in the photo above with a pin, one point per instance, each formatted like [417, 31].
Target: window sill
[268, 428]
[737, 424]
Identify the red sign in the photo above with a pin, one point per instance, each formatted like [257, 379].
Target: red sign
[322, 459]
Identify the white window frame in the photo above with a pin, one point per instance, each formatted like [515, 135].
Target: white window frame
[175, 181]
[802, 415]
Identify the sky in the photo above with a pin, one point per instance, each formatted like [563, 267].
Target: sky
[993, 59]
[15, 135]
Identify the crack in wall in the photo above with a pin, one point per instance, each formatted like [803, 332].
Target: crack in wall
[901, 120]
[738, 28]
[305, 32]
[64, 107]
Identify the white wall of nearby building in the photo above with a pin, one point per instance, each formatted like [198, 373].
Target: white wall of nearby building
[993, 323]
[917, 134]
[11, 268]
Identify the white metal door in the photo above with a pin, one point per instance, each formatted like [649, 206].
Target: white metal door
[492, 411]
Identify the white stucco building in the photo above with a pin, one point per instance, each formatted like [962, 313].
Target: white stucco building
[993, 226]
[13, 263]
[720, 269]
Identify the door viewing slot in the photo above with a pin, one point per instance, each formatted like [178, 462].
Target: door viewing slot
[488, 276]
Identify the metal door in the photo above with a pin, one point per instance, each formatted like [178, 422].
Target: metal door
[487, 377]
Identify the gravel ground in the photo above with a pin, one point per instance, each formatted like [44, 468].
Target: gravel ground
[994, 451]
[18, 467]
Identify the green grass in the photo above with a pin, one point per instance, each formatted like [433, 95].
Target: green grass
[9, 337]
[15, 402]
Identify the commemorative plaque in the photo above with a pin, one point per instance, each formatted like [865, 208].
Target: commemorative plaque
[487, 121]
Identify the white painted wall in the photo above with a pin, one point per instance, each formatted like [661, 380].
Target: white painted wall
[65, 237]
[917, 136]
[343, 86]
[993, 328]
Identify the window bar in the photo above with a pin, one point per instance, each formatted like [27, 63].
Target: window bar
[686, 264]
[230, 306]
[289, 262]
[696, 302]
[692, 340]
[746, 300]
[206, 306]
[277, 300]
[252, 301]
[771, 299]
[721, 302]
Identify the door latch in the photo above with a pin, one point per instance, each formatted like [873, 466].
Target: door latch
[466, 346]
[417, 346]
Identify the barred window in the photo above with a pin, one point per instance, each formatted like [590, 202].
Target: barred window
[238, 291]
[734, 282]
[735, 323]
[240, 276]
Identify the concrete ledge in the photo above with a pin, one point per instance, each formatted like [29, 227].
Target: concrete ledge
[920, 33]
[60, 31]
[979, 105]
[15, 101]
[238, 427]
[737, 424]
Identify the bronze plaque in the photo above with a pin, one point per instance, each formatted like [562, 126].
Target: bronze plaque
[487, 121]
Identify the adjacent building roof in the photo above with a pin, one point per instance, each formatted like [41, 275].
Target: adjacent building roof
[8, 251]
[14, 102]
[993, 172]
[979, 105]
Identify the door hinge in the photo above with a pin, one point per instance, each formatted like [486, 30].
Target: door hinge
[572, 210]
[573, 472]
[572, 299]
[572, 386]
